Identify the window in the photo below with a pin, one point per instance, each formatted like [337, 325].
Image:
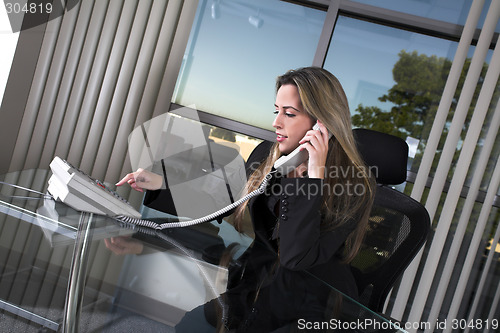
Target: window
[368, 58]
[451, 11]
[371, 59]
[394, 79]
[236, 50]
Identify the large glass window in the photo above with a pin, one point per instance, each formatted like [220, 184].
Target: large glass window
[394, 78]
[451, 11]
[382, 69]
[237, 49]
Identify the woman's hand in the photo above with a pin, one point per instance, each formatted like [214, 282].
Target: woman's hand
[316, 143]
[142, 180]
[124, 245]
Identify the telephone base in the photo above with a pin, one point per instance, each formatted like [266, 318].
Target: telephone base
[83, 193]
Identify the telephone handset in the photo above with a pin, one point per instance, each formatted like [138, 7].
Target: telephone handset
[288, 163]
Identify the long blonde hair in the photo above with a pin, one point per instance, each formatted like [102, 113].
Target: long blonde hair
[323, 98]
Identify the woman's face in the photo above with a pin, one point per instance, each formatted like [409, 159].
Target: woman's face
[291, 121]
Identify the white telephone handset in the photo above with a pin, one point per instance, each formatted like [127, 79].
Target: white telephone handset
[288, 163]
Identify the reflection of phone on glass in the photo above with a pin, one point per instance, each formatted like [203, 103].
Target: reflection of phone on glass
[286, 164]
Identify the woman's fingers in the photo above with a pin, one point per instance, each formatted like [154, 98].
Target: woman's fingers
[316, 139]
[142, 180]
[133, 179]
[324, 132]
[316, 143]
[125, 179]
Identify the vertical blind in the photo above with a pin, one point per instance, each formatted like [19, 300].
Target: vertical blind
[432, 279]
[104, 67]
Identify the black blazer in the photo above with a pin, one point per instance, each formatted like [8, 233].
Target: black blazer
[286, 220]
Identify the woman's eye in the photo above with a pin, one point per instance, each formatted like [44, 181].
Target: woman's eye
[288, 114]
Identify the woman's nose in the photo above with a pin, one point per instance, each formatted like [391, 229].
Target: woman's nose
[277, 121]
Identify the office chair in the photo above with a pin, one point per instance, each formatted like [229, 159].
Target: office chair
[398, 225]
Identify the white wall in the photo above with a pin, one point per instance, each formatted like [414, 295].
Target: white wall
[8, 40]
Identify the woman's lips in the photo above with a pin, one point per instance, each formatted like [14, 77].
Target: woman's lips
[280, 138]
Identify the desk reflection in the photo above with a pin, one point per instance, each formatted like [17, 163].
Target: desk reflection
[244, 291]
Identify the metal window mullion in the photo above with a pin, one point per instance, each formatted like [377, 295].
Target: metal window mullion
[319, 3]
[326, 34]
[433, 141]
[401, 20]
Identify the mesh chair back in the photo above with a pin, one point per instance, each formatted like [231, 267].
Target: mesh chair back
[398, 225]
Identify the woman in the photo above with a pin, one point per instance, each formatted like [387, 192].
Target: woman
[321, 229]
[313, 219]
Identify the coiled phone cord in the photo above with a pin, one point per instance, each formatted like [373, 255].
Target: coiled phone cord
[150, 224]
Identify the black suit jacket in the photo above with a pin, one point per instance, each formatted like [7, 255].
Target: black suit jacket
[286, 221]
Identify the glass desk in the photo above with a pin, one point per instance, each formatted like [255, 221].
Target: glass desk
[67, 271]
